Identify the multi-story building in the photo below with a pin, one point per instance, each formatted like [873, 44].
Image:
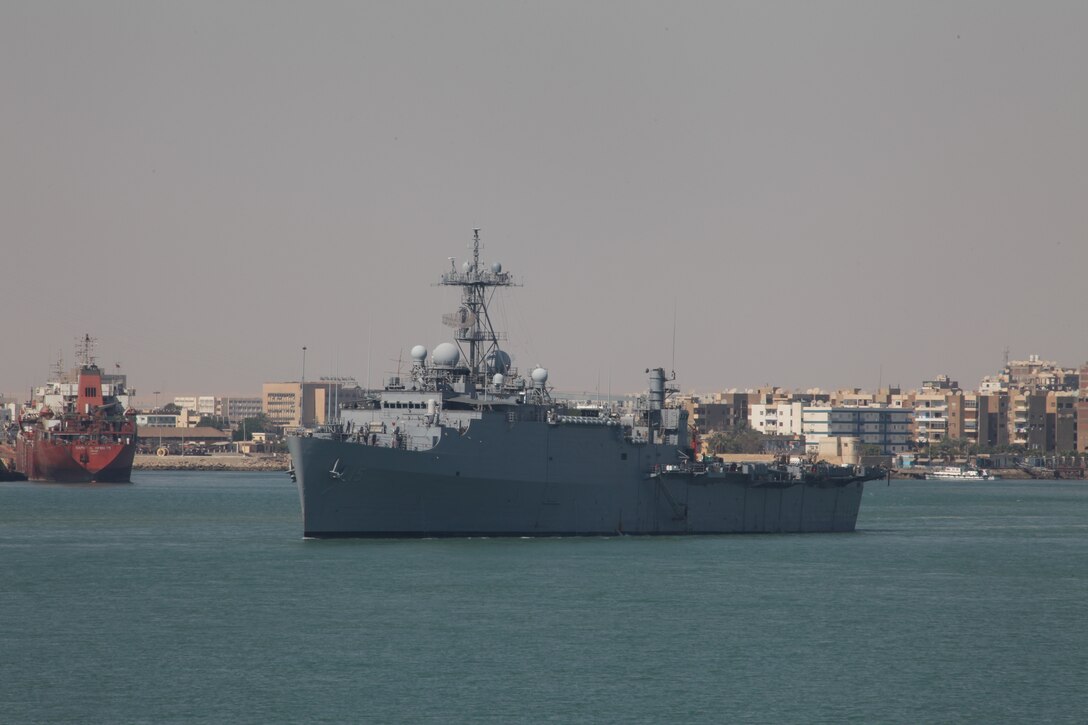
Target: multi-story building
[1040, 375]
[238, 407]
[983, 418]
[198, 404]
[290, 405]
[1027, 419]
[782, 418]
[931, 409]
[283, 404]
[721, 412]
[886, 428]
[1061, 421]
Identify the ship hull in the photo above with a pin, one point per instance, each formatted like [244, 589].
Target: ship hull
[55, 462]
[570, 481]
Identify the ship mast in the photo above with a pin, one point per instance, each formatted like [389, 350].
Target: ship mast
[474, 329]
[85, 351]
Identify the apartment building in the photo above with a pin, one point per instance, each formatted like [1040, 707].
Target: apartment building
[782, 418]
[1061, 421]
[1040, 374]
[720, 412]
[887, 428]
[983, 418]
[931, 410]
[1027, 419]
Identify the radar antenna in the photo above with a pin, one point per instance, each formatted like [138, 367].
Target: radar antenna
[475, 333]
[85, 351]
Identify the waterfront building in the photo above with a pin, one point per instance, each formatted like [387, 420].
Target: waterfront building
[780, 419]
[1027, 419]
[984, 417]
[1061, 421]
[158, 420]
[237, 407]
[721, 412]
[886, 428]
[931, 410]
[174, 437]
[200, 405]
[291, 404]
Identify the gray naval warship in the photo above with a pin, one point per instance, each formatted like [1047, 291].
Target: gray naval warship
[467, 446]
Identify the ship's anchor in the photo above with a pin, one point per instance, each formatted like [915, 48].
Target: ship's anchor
[335, 473]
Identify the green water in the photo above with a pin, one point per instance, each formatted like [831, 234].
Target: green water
[189, 597]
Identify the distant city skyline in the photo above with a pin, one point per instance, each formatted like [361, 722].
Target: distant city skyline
[820, 195]
[157, 398]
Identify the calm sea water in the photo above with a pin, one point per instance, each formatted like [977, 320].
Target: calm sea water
[190, 597]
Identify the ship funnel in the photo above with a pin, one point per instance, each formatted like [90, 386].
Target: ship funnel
[657, 388]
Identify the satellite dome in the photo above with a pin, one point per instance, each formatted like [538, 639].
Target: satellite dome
[497, 380]
[540, 376]
[446, 355]
[496, 267]
[466, 267]
[497, 361]
[419, 353]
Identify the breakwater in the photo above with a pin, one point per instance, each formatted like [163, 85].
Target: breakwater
[144, 462]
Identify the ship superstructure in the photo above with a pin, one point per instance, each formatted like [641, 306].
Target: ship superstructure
[79, 427]
[466, 445]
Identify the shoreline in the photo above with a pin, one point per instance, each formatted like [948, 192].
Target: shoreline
[151, 462]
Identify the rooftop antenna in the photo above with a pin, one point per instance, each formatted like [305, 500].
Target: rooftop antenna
[1006, 356]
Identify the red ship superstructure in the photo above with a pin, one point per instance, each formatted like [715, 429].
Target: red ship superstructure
[78, 432]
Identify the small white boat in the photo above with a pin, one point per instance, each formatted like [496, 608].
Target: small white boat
[959, 473]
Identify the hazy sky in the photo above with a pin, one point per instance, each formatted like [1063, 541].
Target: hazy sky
[824, 193]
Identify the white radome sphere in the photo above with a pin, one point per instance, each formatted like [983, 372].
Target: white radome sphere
[446, 355]
[497, 380]
[419, 353]
[540, 376]
[496, 267]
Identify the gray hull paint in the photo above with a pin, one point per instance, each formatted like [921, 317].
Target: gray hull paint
[535, 479]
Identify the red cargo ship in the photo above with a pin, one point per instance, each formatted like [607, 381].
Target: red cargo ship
[79, 432]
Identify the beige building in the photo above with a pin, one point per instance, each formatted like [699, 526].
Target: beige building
[286, 407]
[291, 405]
